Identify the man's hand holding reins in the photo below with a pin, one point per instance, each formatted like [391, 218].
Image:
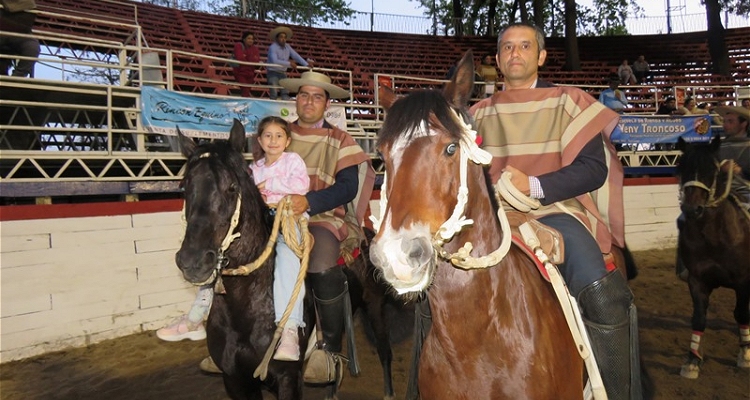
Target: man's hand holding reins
[519, 180]
[299, 203]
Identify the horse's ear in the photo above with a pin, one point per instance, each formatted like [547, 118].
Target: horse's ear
[187, 145]
[386, 96]
[237, 136]
[715, 143]
[458, 90]
[681, 144]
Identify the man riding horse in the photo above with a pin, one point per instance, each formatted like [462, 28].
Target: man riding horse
[554, 143]
[341, 183]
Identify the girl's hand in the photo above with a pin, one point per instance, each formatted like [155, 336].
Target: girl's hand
[261, 185]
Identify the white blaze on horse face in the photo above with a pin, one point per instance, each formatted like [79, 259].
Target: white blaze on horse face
[398, 147]
[411, 273]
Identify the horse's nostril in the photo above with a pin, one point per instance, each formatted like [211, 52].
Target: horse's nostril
[209, 257]
[417, 249]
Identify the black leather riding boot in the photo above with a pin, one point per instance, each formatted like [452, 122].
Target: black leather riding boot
[611, 322]
[329, 291]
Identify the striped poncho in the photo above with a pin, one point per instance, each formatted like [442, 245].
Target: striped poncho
[327, 151]
[542, 130]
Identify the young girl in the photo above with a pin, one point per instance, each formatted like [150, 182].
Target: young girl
[277, 174]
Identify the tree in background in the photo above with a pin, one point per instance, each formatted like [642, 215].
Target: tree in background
[717, 46]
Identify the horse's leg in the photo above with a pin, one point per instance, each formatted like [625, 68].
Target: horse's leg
[289, 386]
[700, 293]
[742, 316]
[378, 323]
[239, 388]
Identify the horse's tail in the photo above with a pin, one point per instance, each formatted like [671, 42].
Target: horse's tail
[631, 269]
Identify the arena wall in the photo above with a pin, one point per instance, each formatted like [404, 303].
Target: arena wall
[69, 281]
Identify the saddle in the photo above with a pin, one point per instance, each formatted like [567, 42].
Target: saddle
[550, 238]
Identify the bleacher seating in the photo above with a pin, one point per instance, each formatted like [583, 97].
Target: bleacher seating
[676, 60]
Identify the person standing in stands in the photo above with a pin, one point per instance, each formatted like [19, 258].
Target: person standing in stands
[16, 18]
[282, 54]
[246, 50]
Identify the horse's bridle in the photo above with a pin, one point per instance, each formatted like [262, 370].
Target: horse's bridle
[462, 258]
[712, 201]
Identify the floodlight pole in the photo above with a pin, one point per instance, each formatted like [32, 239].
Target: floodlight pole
[669, 17]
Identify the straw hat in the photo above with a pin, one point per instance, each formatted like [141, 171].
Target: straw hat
[280, 29]
[741, 111]
[311, 78]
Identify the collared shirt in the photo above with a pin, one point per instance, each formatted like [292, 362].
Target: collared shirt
[280, 55]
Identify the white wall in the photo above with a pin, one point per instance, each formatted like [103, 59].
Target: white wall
[70, 282]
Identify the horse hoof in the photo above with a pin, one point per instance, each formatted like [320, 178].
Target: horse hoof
[207, 365]
[743, 358]
[690, 371]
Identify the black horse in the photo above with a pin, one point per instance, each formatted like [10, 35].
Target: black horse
[713, 243]
[241, 325]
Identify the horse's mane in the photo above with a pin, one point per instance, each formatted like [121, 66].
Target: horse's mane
[407, 115]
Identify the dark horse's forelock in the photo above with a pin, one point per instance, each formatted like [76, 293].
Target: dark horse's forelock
[406, 116]
[698, 161]
[222, 153]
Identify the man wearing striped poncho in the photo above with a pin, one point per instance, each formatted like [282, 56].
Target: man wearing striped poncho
[341, 183]
[554, 142]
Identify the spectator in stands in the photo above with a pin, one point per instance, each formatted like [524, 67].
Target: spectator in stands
[16, 18]
[452, 69]
[746, 103]
[613, 97]
[545, 167]
[667, 107]
[340, 173]
[487, 71]
[690, 108]
[280, 53]
[625, 72]
[641, 69]
[246, 50]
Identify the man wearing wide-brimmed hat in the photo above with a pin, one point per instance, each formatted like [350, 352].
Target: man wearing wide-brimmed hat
[341, 182]
[282, 54]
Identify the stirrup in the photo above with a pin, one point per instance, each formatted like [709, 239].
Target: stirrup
[324, 367]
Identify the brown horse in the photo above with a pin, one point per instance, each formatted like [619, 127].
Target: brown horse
[497, 332]
[713, 244]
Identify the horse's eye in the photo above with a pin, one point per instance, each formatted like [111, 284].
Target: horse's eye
[451, 149]
[232, 188]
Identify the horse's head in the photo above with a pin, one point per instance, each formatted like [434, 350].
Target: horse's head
[217, 186]
[424, 141]
[701, 180]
